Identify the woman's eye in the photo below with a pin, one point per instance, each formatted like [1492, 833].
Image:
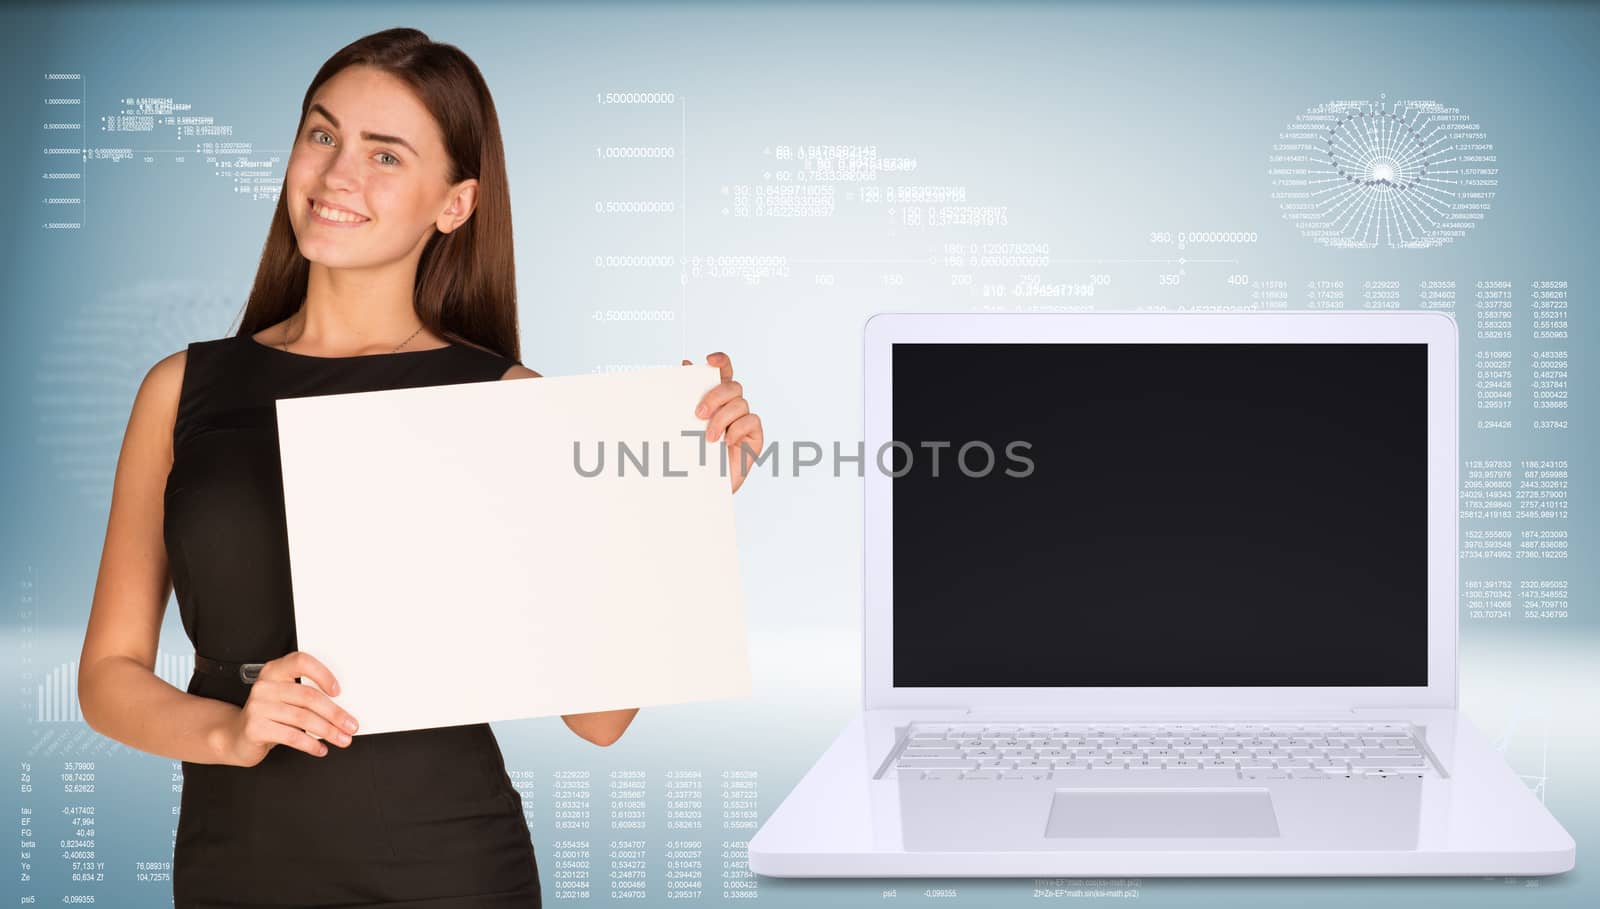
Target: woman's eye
[316, 133]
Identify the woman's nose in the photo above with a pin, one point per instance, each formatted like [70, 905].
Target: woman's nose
[341, 171]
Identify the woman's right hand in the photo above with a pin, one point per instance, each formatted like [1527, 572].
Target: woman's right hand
[281, 711]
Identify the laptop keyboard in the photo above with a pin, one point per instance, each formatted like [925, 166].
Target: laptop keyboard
[1177, 752]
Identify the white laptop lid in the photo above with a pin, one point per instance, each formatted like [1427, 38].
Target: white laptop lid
[1166, 523]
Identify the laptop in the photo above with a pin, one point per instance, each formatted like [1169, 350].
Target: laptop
[1156, 594]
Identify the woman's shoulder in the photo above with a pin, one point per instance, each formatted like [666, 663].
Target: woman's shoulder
[180, 367]
[155, 403]
[505, 367]
[165, 379]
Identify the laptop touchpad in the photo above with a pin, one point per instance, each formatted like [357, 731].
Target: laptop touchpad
[1161, 813]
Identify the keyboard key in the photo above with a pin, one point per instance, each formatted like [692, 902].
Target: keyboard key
[1393, 757]
[1387, 762]
[934, 764]
[919, 752]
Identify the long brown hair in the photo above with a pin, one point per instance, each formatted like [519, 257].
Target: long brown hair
[466, 288]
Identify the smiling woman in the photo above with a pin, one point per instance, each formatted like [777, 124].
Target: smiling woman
[395, 161]
[394, 225]
[387, 264]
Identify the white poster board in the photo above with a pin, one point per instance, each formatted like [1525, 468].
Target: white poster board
[451, 564]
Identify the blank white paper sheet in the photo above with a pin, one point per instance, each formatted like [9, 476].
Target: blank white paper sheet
[451, 564]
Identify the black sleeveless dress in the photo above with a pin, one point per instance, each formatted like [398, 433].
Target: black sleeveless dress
[425, 819]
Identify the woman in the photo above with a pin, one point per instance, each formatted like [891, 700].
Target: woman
[388, 264]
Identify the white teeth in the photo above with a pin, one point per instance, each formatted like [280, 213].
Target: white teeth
[333, 215]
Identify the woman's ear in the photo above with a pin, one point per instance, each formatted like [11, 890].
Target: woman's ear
[463, 200]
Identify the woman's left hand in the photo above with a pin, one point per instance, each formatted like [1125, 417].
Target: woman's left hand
[730, 419]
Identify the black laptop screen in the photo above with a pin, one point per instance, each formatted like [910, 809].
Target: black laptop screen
[1159, 514]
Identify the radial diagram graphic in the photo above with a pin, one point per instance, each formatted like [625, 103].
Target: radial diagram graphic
[1401, 174]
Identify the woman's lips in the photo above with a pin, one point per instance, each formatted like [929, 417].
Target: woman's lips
[355, 220]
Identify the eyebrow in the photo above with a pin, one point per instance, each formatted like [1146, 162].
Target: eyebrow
[370, 137]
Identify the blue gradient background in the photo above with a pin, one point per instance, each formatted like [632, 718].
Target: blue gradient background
[1094, 124]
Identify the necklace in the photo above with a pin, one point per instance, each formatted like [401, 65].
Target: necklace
[396, 350]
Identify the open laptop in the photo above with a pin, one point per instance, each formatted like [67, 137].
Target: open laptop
[1176, 597]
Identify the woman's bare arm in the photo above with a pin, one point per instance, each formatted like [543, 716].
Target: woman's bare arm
[118, 689]
[604, 726]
